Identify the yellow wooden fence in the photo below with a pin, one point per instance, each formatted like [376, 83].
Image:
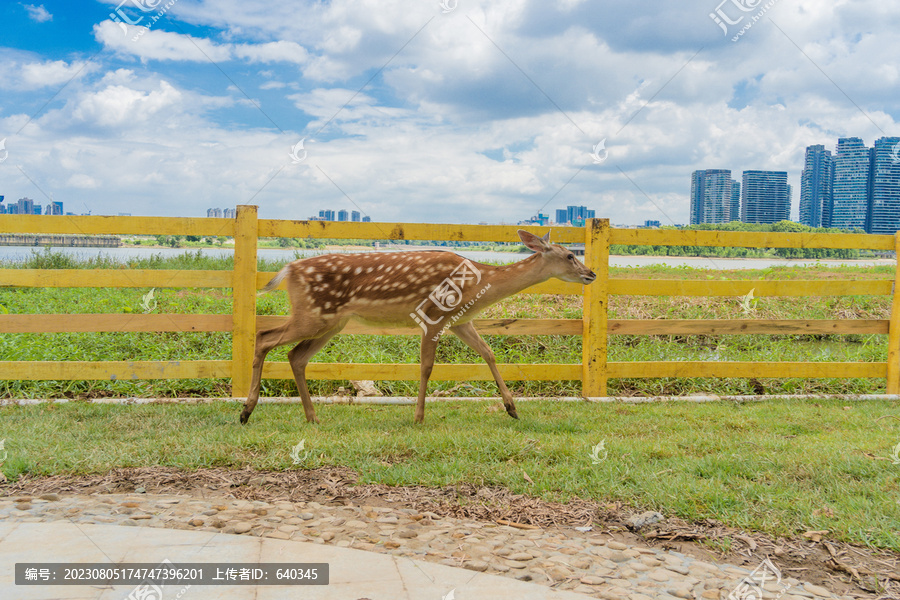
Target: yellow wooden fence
[594, 371]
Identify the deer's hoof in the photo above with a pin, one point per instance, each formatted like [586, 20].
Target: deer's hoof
[245, 416]
[512, 412]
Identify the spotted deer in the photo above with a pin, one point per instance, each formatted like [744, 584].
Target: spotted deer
[434, 290]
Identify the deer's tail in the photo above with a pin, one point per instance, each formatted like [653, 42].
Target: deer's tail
[276, 281]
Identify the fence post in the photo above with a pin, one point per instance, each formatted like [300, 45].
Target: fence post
[243, 333]
[596, 302]
[893, 358]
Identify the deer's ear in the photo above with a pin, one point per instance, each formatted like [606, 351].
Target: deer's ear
[533, 242]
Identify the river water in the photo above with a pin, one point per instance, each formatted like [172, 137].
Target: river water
[20, 253]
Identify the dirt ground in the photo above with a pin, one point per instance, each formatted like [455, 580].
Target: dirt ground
[840, 567]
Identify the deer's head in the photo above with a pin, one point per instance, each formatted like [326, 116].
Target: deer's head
[559, 261]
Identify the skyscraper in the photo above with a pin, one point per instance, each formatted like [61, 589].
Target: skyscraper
[354, 216]
[850, 191]
[884, 203]
[343, 215]
[25, 206]
[711, 196]
[816, 187]
[735, 200]
[562, 216]
[765, 197]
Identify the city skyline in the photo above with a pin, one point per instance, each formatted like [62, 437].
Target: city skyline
[418, 113]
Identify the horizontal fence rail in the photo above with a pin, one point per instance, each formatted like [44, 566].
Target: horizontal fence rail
[594, 327]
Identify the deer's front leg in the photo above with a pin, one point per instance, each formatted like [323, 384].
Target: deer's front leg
[426, 358]
[469, 335]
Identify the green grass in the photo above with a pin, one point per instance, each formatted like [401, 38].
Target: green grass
[782, 467]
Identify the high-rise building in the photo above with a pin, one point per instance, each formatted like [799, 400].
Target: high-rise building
[884, 187]
[25, 206]
[816, 187]
[229, 213]
[735, 200]
[765, 197]
[367, 219]
[214, 213]
[55, 208]
[575, 213]
[850, 191]
[711, 196]
[354, 216]
[562, 216]
[343, 215]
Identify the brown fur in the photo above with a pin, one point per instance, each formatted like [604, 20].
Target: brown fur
[401, 288]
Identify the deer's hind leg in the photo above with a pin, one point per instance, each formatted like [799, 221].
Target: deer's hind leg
[292, 331]
[299, 357]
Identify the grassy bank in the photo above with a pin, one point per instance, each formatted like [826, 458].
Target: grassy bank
[778, 467]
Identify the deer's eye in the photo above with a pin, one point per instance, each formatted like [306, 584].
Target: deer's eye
[571, 257]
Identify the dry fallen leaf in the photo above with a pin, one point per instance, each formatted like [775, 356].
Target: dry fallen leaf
[815, 536]
[527, 478]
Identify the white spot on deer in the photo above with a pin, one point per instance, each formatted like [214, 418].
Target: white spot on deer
[358, 271]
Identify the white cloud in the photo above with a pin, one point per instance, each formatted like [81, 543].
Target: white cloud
[38, 14]
[118, 105]
[19, 71]
[281, 51]
[157, 44]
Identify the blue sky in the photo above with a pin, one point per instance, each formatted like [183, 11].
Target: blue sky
[425, 111]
